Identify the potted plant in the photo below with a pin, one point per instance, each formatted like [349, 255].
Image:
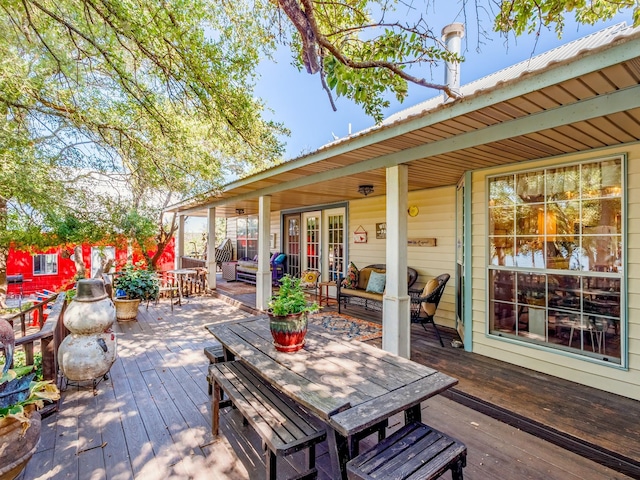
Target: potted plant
[21, 395]
[132, 284]
[287, 312]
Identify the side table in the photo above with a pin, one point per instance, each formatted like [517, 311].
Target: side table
[323, 292]
[229, 271]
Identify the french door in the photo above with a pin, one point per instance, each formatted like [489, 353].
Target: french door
[315, 240]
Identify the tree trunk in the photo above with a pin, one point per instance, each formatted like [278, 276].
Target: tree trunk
[81, 268]
[4, 254]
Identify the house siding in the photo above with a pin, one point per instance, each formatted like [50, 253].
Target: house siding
[612, 378]
[436, 219]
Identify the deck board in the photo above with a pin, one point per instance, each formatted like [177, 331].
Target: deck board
[151, 418]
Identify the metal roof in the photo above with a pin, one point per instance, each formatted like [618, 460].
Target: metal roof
[581, 96]
[562, 53]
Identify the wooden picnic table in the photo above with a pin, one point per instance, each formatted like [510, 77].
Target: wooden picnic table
[349, 385]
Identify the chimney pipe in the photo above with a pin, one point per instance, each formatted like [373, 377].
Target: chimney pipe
[452, 37]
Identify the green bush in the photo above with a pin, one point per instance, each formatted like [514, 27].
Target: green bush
[135, 281]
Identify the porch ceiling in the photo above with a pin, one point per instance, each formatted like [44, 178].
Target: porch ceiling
[572, 106]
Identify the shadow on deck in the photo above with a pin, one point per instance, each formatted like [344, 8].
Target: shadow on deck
[151, 418]
[590, 422]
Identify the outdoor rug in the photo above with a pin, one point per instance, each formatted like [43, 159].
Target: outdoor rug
[349, 327]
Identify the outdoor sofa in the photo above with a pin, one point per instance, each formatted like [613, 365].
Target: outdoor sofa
[366, 286]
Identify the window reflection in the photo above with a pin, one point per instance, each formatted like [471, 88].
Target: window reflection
[560, 230]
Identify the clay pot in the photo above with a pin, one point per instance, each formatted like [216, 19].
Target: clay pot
[126, 309]
[16, 448]
[288, 331]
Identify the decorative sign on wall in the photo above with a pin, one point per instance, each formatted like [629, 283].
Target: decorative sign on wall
[381, 230]
[360, 235]
[422, 242]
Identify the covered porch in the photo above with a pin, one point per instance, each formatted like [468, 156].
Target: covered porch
[151, 419]
[571, 113]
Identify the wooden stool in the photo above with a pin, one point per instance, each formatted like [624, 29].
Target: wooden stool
[215, 354]
[415, 451]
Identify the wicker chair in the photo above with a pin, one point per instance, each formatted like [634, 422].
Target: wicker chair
[425, 304]
[224, 253]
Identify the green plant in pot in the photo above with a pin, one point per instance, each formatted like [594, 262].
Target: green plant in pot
[132, 284]
[287, 312]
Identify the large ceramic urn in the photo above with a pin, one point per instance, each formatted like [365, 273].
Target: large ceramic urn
[90, 350]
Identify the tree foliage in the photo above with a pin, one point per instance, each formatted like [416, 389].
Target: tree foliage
[155, 96]
[365, 49]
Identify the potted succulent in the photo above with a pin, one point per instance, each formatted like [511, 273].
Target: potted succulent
[287, 312]
[21, 395]
[132, 284]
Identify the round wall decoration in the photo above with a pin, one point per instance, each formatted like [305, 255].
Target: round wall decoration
[413, 211]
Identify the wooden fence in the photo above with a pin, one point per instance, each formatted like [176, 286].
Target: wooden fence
[48, 338]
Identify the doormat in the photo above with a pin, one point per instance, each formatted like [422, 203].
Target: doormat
[236, 288]
[350, 328]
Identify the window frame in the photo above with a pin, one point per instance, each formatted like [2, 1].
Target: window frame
[45, 257]
[583, 276]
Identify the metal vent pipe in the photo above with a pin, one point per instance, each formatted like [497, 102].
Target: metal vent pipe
[452, 36]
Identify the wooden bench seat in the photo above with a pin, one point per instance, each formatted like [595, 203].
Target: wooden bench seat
[283, 426]
[416, 451]
[215, 354]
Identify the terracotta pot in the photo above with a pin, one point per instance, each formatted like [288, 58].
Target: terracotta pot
[288, 331]
[16, 448]
[126, 309]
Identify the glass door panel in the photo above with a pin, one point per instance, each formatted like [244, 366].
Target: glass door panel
[292, 244]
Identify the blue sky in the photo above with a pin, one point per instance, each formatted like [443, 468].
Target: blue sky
[299, 101]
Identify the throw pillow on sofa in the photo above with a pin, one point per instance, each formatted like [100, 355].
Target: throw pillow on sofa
[377, 282]
[351, 280]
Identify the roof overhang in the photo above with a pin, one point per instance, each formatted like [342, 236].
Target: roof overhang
[589, 101]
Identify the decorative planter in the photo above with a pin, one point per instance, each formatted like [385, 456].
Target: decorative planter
[288, 331]
[17, 447]
[90, 350]
[126, 309]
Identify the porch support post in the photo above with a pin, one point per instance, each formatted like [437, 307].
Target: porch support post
[211, 248]
[396, 326]
[263, 276]
[179, 252]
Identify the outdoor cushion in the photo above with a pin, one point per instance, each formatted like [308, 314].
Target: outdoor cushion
[363, 276]
[280, 258]
[376, 282]
[351, 280]
[429, 308]
[247, 263]
[309, 278]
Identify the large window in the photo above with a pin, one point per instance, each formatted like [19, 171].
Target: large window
[556, 257]
[45, 264]
[247, 240]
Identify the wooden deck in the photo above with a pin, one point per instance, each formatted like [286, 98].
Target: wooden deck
[151, 419]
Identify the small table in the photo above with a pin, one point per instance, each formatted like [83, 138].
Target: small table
[229, 271]
[181, 274]
[325, 297]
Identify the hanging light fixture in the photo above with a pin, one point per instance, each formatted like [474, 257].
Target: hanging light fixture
[240, 211]
[365, 189]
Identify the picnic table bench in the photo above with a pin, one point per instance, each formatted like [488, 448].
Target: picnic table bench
[415, 451]
[283, 426]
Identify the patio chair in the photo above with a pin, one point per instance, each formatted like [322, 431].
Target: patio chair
[278, 267]
[424, 306]
[224, 253]
[309, 281]
[168, 286]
